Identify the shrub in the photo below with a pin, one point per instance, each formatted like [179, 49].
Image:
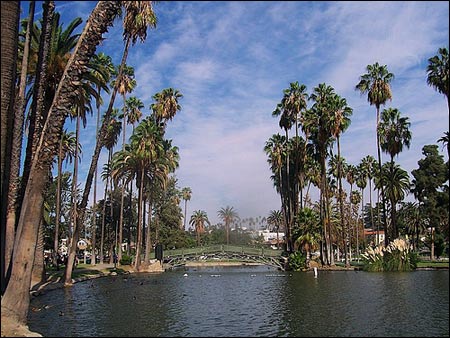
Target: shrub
[297, 261]
[126, 260]
[397, 256]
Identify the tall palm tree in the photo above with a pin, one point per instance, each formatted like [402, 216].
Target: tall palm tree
[138, 17]
[228, 215]
[368, 164]
[198, 220]
[438, 73]
[394, 132]
[16, 297]
[102, 67]
[276, 149]
[135, 162]
[322, 140]
[166, 105]
[67, 150]
[16, 139]
[186, 194]
[110, 139]
[10, 13]
[340, 121]
[376, 84]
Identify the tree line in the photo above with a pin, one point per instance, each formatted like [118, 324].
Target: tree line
[313, 157]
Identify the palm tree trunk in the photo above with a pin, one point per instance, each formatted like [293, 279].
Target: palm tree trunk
[38, 272]
[58, 205]
[383, 202]
[74, 234]
[137, 262]
[148, 237]
[341, 205]
[17, 136]
[10, 13]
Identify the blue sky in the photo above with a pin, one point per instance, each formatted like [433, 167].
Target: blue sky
[232, 61]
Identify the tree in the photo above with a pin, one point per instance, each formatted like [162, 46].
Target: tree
[166, 105]
[186, 194]
[376, 84]
[428, 186]
[16, 297]
[10, 11]
[198, 220]
[340, 121]
[275, 219]
[396, 184]
[228, 215]
[438, 73]
[322, 140]
[394, 132]
[106, 69]
[276, 149]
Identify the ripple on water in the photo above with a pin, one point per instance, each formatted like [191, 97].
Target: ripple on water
[248, 301]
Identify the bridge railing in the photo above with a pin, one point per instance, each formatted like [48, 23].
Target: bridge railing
[224, 248]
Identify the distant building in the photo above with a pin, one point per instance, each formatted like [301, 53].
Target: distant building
[270, 238]
[371, 236]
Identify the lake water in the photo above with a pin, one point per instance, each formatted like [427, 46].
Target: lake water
[248, 301]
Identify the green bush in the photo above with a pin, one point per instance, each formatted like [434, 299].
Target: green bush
[126, 260]
[297, 261]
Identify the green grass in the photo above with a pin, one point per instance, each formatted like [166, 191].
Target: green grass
[432, 264]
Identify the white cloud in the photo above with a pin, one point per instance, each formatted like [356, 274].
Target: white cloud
[232, 60]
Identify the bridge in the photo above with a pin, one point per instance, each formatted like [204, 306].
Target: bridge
[229, 253]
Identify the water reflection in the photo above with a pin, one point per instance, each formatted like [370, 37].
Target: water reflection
[249, 301]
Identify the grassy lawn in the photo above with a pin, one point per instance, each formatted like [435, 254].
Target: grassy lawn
[432, 264]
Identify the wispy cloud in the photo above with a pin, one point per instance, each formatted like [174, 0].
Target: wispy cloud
[232, 60]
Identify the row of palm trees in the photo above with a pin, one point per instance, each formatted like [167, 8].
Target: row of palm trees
[299, 161]
[63, 76]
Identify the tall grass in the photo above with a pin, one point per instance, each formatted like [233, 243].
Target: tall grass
[397, 256]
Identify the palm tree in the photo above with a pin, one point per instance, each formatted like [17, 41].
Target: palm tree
[16, 297]
[16, 139]
[138, 17]
[166, 105]
[275, 219]
[135, 162]
[340, 121]
[394, 132]
[444, 140]
[396, 183]
[376, 83]
[110, 139]
[186, 193]
[198, 220]
[307, 234]
[322, 139]
[438, 74]
[105, 67]
[10, 12]
[368, 164]
[67, 150]
[228, 215]
[276, 149]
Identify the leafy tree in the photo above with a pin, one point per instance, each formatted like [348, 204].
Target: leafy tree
[428, 186]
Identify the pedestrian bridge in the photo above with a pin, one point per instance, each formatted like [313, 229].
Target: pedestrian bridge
[221, 253]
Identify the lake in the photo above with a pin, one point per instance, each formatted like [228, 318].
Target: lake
[248, 301]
